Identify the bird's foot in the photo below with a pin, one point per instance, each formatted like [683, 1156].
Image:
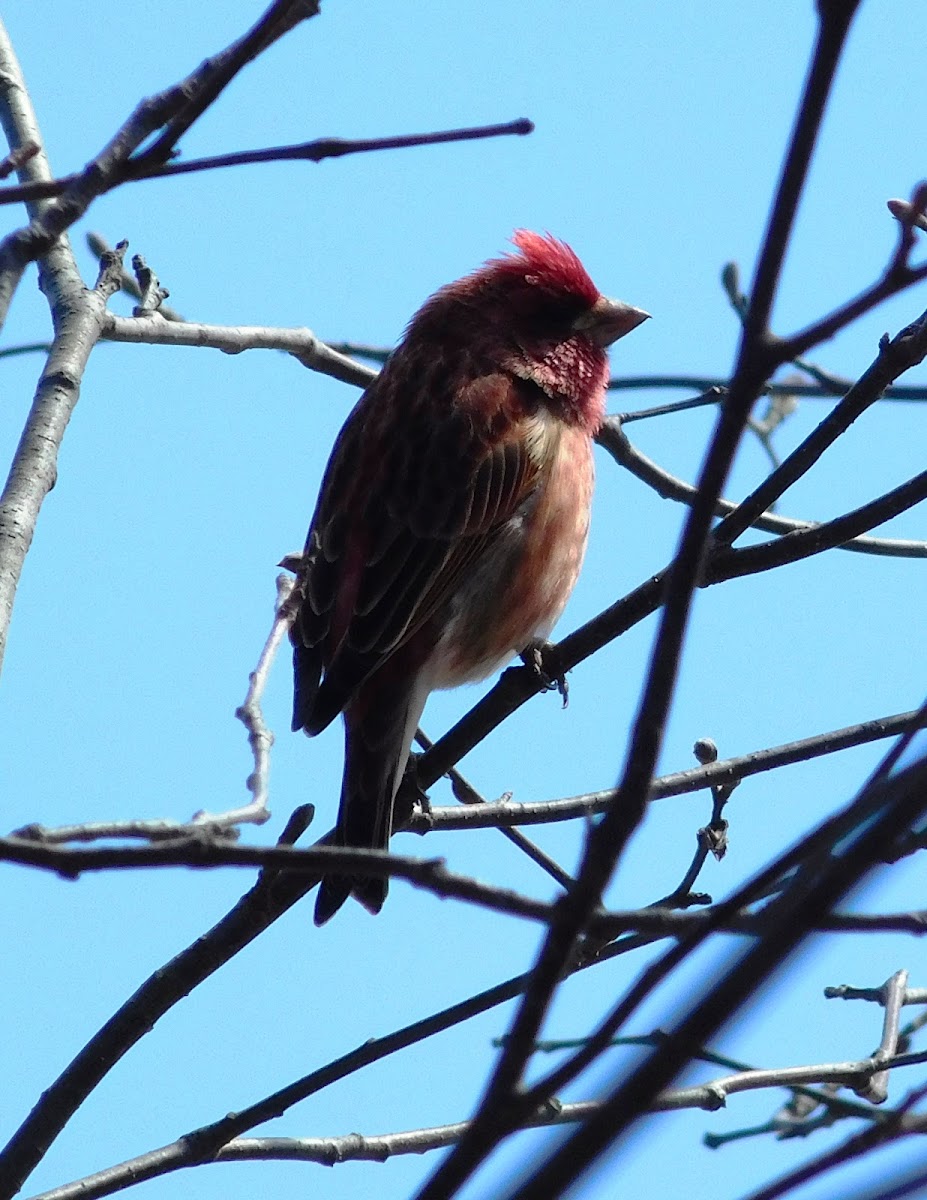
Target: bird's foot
[543, 660]
[410, 797]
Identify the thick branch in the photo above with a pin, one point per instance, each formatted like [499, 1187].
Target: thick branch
[756, 362]
[60, 276]
[77, 317]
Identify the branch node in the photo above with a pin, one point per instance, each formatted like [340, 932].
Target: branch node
[705, 751]
[109, 279]
[151, 294]
[18, 157]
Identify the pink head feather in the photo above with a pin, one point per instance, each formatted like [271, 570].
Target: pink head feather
[544, 260]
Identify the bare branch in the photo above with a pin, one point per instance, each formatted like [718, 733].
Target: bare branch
[852, 846]
[710, 839]
[25, 348]
[303, 344]
[156, 829]
[201, 849]
[315, 151]
[260, 738]
[17, 159]
[896, 1125]
[905, 350]
[613, 438]
[172, 112]
[466, 794]
[877, 995]
[78, 318]
[205, 85]
[332, 1151]
[378, 354]
[717, 774]
[893, 993]
[829, 535]
[708, 383]
[127, 282]
[59, 277]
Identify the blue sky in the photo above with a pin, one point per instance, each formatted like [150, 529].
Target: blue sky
[187, 474]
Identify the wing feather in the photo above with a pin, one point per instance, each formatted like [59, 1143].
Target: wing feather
[407, 504]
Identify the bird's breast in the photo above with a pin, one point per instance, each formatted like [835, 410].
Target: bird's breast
[517, 589]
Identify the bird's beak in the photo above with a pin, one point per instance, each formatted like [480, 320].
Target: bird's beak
[609, 320]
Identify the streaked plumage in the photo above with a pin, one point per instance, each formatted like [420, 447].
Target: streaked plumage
[453, 516]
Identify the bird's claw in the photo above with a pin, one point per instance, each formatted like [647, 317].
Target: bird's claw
[410, 797]
[543, 660]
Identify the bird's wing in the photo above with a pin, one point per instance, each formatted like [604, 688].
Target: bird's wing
[407, 504]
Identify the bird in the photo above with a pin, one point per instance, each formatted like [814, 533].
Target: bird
[452, 518]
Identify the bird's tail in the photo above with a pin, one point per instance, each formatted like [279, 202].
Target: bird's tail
[364, 819]
[378, 735]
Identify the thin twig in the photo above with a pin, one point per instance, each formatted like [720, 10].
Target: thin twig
[715, 383]
[332, 1151]
[720, 774]
[876, 995]
[897, 1124]
[613, 438]
[710, 839]
[905, 350]
[260, 738]
[877, 816]
[829, 535]
[466, 793]
[315, 152]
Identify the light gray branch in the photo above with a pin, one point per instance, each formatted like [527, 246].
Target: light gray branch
[77, 320]
[250, 713]
[358, 1147]
[58, 275]
[303, 344]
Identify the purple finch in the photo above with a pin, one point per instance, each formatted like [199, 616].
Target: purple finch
[453, 516]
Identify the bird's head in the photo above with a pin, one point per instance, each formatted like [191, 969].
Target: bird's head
[541, 316]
